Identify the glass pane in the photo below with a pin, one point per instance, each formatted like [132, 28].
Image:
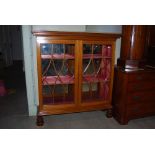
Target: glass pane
[58, 66]
[96, 72]
[58, 94]
[47, 49]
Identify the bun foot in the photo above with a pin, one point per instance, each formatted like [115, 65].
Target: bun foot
[109, 113]
[40, 121]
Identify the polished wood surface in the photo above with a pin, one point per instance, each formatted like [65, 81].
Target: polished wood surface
[77, 35]
[134, 84]
[151, 35]
[133, 42]
[141, 85]
[133, 95]
[150, 48]
[133, 46]
[78, 39]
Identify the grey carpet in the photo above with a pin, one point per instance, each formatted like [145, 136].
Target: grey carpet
[14, 113]
[84, 120]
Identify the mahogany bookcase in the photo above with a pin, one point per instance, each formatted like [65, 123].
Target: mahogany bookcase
[75, 72]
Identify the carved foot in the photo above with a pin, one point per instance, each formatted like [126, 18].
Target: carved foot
[109, 113]
[40, 121]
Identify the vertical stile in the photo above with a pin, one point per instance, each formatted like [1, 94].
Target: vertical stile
[39, 76]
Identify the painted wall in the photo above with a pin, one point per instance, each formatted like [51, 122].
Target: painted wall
[108, 29]
[104, 28]
[75, 28]
[29, 47]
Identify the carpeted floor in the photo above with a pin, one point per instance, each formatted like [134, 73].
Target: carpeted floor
[14, 112]
[85, 120]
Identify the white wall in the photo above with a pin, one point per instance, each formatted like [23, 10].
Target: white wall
[104, 28]
[75, 28]
[108, 29]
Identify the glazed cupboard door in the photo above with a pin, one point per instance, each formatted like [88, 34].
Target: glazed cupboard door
[96, 72]
[57, 73]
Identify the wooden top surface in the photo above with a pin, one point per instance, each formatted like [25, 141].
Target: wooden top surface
[136, 70]
[76, 34]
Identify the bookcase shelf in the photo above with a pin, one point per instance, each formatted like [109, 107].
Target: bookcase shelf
[95, 56]
[57, 56]
[54, 80]
[94, 79]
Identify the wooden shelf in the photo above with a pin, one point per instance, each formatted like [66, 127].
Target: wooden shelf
[95, 56]
[59, 100]
[58, 56]
[93, 79]
[94, 97]
[68, 56]
[52, 80]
